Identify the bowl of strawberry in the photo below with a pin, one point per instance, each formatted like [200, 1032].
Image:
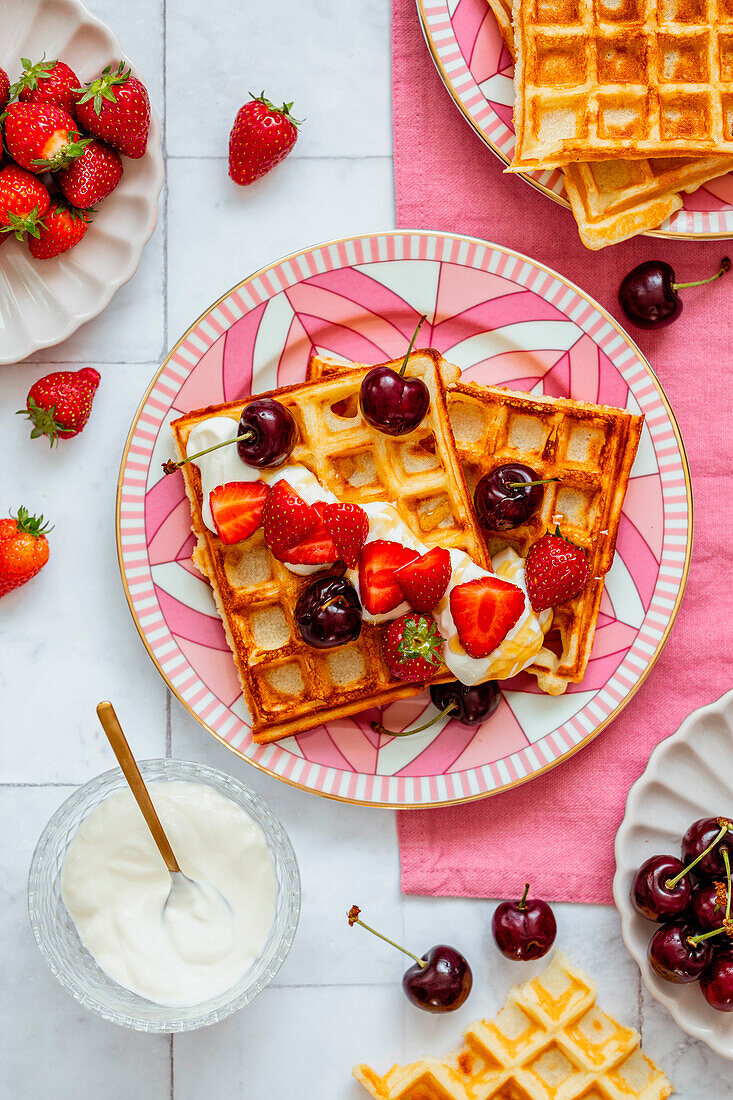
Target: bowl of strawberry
[80, 173]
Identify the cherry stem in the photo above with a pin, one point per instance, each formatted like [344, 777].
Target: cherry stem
[403, 368]
[418, 729]
[170, 467]
[340, 600]
[724, 266]
[695, 940]
[523, 900]
[527, 484]
[353, 916]
[726, 861]
[672, 882]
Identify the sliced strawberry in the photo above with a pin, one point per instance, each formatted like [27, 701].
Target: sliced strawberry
[484, 612]
[317, 549]
[237, 508]
[348, 526]
[425, 580]
[378, 563]
[287, 518]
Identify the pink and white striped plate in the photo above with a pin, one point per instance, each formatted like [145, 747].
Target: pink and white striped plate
[504, 320]
[476, 68]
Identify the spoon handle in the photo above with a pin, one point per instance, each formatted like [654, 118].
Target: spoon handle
[123, 752]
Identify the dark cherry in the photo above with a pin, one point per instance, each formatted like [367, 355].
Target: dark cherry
[392, 403]
[717, 981]
[709, 904]
[470, 704]
[439, 981]
[700, 837]
[675, 956]
[653, 897]
[508, 496]
[523, 929]
[270, 432]
[328, 613]
[649, 294]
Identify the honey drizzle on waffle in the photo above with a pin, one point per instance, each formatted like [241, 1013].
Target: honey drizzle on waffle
[550, 1041]
[589, 448]
[289, 686]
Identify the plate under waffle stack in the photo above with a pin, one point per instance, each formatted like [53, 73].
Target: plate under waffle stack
[613, 200]
[550, 1040]
[622, 78]
[288, 685]
[590, 449]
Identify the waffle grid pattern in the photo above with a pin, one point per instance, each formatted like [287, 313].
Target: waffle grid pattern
[550, 1041]
[288, 685]
[600, 79]
[590, 449]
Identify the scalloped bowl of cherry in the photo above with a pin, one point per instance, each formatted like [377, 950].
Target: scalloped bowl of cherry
[674, 875]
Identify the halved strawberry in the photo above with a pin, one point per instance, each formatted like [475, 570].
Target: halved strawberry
[378, 563]
[484, 612]
[425, 580]
[287, 518]
[348, 526]
[237, 509]
[317, 549]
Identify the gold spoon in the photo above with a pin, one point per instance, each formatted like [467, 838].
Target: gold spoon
[181, 884]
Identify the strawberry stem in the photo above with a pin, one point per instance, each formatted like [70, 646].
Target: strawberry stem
[403, 368]
[353, 917]
[170, 467]
[30, 525]
[725, 827]
[724, 267]
[450, 709]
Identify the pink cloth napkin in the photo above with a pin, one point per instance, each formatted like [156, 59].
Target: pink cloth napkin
[558, 830]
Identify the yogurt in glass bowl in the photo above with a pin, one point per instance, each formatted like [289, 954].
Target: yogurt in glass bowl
[77, 969]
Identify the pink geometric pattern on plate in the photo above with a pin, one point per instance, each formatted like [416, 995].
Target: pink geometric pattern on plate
[359, 298]
[476, 69]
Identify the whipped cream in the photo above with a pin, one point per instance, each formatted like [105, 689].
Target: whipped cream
[518, 649]
[115, 885]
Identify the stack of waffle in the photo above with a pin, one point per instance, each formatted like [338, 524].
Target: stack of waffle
[549, 1040]
[288, 685]
[590, 449]
[633, 99]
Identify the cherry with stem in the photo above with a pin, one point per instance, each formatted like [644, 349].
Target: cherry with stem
[649, 294]
[389, 401]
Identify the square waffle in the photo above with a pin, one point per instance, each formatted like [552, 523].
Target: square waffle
[288, 685]
[549, 1040]
[613, 200]
[622, 78]
[590, 449]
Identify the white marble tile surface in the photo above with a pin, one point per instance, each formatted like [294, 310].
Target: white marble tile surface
[67, 640]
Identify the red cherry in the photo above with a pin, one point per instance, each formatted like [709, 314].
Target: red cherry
[717, 982]
[392, 403]
[648, 294]
[661, 889]
[678, 954]
[524, 929]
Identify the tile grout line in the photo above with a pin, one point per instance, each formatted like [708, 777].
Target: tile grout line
[168, 726]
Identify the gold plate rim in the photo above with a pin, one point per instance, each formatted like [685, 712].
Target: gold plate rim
[688, 492]
[668, 235]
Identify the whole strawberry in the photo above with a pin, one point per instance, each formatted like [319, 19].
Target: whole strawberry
[412, 648]
[92, 176]
[115, 107]
[23, 202]
[23, 549]
[47, 82]
[262, 136]
[63, 227]
[41, 137]
[555, 570]
[59, 404]
[4, 90]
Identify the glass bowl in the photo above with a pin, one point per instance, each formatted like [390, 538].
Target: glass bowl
[75, 968]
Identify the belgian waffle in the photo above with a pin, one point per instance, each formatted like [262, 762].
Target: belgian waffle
[590, 449]
[549, 1040]
[622, 78]
[289, 686]
[613, 200]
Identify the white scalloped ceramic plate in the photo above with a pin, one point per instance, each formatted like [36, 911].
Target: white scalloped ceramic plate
[43, 302]
[690, 775]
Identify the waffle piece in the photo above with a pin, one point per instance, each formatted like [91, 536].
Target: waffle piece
[614, 200]
[591, 449]
[621, 78]
[289, 686]
[550, 1040]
